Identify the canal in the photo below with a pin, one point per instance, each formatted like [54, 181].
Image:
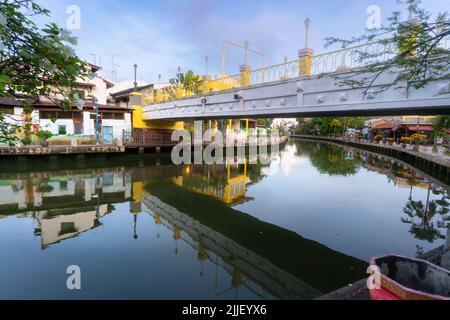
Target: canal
[142, 228]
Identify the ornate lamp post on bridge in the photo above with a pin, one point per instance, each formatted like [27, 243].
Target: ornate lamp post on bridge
[305, 55]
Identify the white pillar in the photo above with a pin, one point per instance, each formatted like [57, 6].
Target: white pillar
[128, 125]
[87, 123]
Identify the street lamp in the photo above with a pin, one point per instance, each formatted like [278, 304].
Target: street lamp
[135, 77]
[307, 26]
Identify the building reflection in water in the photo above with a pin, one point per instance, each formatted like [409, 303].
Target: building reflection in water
[64, 204]
[226, 183]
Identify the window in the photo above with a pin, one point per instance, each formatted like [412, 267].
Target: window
[48, 115]
[63, 185]
[108, 116]
[62, 130]
[81, 94]
[78, 115]
[7, 110]
[108, 179]
[112, 116]
[67, 227]
[64, 115]
[78, 128]
[93, 116]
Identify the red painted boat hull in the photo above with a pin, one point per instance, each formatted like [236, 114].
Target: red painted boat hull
[390, 289]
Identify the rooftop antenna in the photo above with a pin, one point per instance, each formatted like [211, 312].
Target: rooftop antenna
[113, 66]
[95, 57]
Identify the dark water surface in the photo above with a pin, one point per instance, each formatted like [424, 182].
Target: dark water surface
[142, 228]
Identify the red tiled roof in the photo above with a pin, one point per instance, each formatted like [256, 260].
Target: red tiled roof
[86, 106]
[85, 84]
[382, 125]
[14, 101]
[94, 68]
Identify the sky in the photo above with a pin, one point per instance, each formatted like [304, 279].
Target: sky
[160, 36]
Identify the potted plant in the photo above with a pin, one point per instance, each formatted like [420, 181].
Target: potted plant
[378, 138]
[405, 141]
[43, 136]
[417, 138]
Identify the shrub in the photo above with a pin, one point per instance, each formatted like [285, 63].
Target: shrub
[390, 140]
[378, 138]
[406, 140]
[44, 135]
[418, 137]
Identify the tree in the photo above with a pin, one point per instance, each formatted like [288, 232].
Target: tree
[35, 61]
[335, 123]
[329, 159]
[421, 215]
[189, 82]
[440, 126]
[266, 123]
[325, 126]
[414, 48]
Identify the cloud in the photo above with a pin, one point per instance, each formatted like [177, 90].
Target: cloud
[161, 35]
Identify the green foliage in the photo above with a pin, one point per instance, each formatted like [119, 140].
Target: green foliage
[415, 49]
[329, 159]
[325, 126]
[440, 124]
[336, 123]
[44, 135]
[427, 218]
[36, 61]
[190, 82]
[266, 123]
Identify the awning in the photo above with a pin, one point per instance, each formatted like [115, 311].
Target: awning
[412, 127]
[420, 128]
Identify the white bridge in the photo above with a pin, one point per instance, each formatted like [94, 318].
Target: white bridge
[306, 98]
[287, 90]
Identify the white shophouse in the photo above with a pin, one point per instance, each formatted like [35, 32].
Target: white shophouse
[113, 120]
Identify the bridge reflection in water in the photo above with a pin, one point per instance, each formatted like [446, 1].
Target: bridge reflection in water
[195, 203]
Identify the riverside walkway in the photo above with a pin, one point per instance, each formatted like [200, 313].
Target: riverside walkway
[59, 150]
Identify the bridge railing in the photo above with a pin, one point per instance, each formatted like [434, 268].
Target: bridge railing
[352, 57]
[225, 83]
[148, 138]
[344, 59]
[279, 72]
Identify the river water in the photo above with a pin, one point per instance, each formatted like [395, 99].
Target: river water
[142, 228]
